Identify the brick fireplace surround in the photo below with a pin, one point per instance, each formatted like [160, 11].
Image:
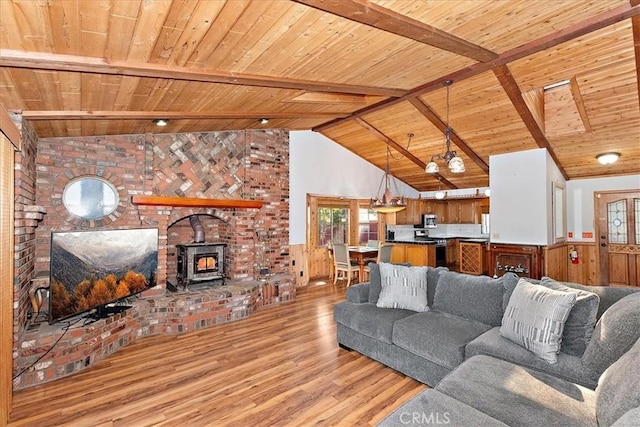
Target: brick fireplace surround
[252, 165]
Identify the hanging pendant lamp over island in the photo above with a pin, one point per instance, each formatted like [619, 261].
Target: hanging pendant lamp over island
[387, 202]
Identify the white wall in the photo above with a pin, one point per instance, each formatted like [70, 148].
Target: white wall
[519, 207]
[317, 165]
[581, 205]
[519, 182]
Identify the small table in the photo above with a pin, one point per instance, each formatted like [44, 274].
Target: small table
[360, 253]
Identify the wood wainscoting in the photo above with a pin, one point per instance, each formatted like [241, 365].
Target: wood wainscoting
[558, 265]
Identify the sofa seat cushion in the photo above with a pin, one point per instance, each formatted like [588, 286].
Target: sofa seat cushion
[437, 336]
[368, 319]
[515, 395]
[568, 367]
[434, 408]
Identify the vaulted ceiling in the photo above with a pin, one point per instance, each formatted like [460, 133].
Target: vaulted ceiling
[364, 73]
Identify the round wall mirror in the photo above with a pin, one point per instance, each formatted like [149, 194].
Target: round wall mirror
[90, 197]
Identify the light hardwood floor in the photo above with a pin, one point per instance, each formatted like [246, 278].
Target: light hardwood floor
[282, 366]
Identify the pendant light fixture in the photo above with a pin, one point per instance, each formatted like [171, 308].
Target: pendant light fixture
[387, 202]
[455, 162]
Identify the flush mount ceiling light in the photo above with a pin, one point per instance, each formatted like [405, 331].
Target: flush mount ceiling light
[264, 121]
[455, 162]
[161, 122]
[607, 158]
[387, 202]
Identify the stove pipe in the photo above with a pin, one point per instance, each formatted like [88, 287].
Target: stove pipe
[198, 229]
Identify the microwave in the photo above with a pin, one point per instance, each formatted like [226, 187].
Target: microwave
[429, 221]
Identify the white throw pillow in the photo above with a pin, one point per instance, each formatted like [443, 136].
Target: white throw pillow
[535, 317]
[403, 287]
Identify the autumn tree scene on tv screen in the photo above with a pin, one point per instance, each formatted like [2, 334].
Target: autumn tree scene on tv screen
[91, 268]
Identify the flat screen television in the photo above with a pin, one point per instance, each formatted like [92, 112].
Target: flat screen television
[94, 269]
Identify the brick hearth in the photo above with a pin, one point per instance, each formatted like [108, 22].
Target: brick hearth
[83, 345]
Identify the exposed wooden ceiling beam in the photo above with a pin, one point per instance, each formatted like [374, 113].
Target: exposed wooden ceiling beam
[9, 129]
[174, 115]
[431, 115]
[375, 16]
[582, 110]
[635, 27]
[595, 23]
[514, 93]
[87, 64]
[400, 149]
[329, 98]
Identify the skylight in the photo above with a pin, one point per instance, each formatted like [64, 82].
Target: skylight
[557, 84]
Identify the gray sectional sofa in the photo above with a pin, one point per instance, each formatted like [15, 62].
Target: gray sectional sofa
[457, 347]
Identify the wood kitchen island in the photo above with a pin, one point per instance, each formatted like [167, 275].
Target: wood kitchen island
[416, 253]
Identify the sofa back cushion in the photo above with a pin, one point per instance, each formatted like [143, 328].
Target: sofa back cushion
[579, 326]
[617, 392]
[477, 298]
[433, 277]
[375, 282]
[616, 331]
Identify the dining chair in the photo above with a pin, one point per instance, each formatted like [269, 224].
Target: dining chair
[373, 243]
[384, 255]
[384, 252]
[331, 261]
[342, 263]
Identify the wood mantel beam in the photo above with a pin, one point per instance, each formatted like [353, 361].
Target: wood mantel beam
[193, 202]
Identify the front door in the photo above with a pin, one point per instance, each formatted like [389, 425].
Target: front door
[618, 236]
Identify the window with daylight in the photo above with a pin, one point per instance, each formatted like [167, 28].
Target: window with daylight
[333, 225]
[367, 226]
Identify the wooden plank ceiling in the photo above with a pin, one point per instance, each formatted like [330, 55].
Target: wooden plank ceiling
[364, 73]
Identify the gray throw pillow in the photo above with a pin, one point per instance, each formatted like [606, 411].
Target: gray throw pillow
[375, 284]
[403, 287]
[579, 326]
[616, 331]
[477, 298]
[535, 318]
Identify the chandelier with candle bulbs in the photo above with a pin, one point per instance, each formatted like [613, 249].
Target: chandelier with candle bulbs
[451, 158]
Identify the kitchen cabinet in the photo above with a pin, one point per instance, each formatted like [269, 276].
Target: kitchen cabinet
[473, 258]
[452, 254]
[412, 214]
[460, 212]
[440, 211]
[416, 255]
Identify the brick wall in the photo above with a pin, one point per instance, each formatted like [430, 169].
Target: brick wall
[27, 216]
[236, 164]
[239, 164]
